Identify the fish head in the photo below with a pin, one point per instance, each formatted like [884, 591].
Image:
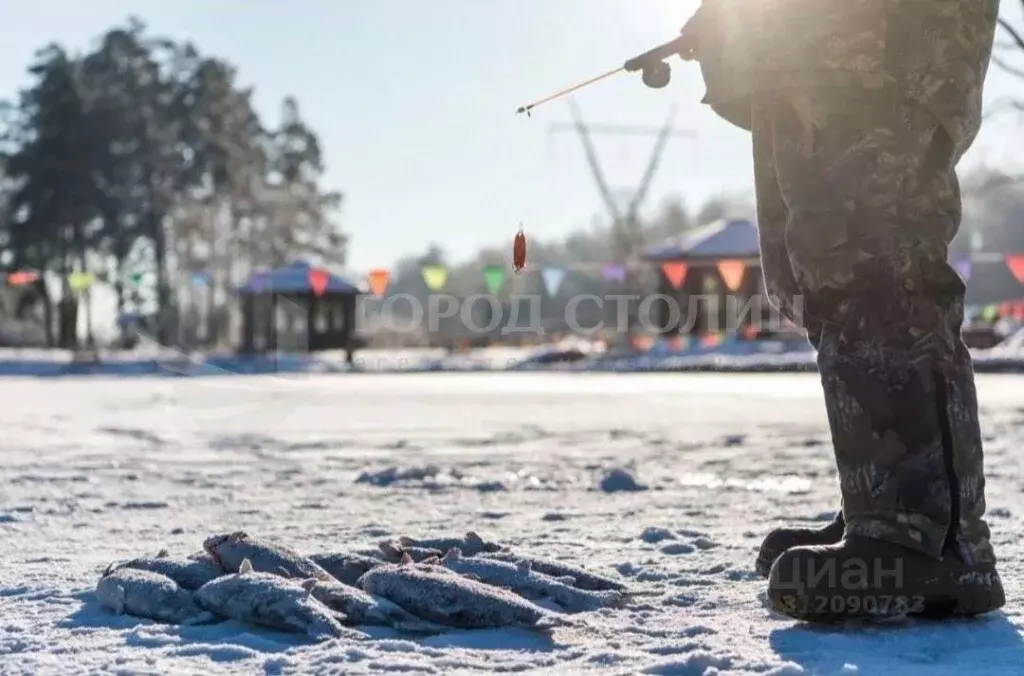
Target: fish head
[215, 542]
[406, 559]
[215, 545]
[211, 545]
[454, 554]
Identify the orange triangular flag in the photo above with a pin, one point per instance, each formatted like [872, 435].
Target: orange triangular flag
[675, 272]
[378, 280]
[732, 273]
[1016, 264]
[710, 340]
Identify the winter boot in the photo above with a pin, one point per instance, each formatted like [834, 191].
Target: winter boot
[861, 578]
[781, 539]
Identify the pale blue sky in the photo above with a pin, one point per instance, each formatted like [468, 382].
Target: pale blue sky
[414, 103]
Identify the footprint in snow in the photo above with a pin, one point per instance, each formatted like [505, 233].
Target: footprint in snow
[619, 480]
[653, 535]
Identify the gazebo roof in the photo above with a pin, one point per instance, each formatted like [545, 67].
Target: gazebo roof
[727, 238]
[294, 278]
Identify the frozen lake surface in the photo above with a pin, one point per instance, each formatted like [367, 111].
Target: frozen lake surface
[95, 470]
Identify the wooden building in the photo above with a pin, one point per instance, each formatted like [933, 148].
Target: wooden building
[705, 301]
[298, 309]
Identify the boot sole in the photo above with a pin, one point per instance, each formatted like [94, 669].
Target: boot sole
[970, 600]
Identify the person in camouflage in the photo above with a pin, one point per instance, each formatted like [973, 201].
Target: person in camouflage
[859, 111]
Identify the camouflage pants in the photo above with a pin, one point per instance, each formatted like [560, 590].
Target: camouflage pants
[858, 200]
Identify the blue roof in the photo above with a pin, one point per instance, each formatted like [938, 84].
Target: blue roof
[735, 238]
[294, 278]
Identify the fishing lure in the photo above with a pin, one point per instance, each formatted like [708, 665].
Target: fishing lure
[519, 251]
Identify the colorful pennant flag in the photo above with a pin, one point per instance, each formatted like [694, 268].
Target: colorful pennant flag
[80, 281]
[318, 279]
[553, 278]
[711, 340]
[675, 342]
[963, 268]
[22, 277]
[732, 273]
[675, 272]
[641, 343]
[378, 280]
[435, 276]
[1016, 264]
[494, 277]
[614, 272]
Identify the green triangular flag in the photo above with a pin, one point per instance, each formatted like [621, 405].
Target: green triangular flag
[435, 276]
[135, 279]
[80, 281]
[494, 276]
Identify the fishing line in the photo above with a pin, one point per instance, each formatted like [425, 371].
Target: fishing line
[528, 108]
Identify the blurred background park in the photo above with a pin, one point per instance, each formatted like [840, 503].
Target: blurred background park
[226, 177]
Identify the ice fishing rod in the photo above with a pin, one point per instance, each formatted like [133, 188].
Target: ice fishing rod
[655, 72]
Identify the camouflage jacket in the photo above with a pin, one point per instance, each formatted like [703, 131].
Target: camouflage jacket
[936, 51]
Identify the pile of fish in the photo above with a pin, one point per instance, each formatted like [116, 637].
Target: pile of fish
[423, 586]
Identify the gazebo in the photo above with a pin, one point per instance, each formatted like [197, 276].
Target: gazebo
[298, 308]
[713, 262]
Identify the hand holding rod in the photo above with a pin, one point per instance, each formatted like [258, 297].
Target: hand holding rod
[656, 73]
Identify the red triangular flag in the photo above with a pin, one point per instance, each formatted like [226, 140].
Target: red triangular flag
[318, 280]
[675, 272]
[1016, 264]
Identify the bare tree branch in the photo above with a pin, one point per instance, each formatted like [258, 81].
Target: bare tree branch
[1001, 106]
[1015, 35]
[1015, 44]
[1007, 67]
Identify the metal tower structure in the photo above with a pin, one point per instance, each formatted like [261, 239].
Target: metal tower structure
[627, 231]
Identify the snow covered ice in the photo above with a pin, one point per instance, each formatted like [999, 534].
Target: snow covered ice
[99, 470]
